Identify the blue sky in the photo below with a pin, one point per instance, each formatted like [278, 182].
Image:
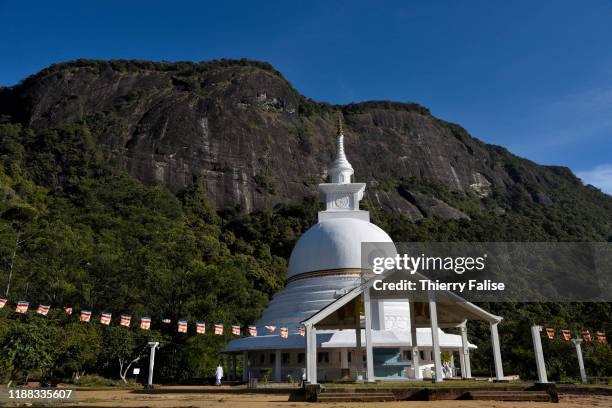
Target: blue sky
[533, 76]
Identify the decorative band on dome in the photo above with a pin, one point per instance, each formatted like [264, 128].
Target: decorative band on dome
[327, 272]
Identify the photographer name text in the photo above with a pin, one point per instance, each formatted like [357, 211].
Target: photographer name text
[486, 285]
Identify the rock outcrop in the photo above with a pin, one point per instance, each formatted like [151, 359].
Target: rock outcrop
[254, 140]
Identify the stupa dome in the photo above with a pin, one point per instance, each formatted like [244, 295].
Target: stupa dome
[333, 244]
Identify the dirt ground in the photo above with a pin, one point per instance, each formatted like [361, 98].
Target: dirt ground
[182, 396]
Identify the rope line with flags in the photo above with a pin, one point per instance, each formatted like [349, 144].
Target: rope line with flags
[566, 334]
[85, 315]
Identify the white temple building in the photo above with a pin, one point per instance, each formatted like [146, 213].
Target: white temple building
[328, 294]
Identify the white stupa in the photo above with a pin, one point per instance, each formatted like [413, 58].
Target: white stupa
[326, 264]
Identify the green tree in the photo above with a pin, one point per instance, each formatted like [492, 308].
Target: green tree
[28, 347]
[122, 348]
[78, 348]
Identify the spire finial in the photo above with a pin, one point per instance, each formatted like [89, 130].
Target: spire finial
[340, 170]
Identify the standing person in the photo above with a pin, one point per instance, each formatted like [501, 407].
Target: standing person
[303, 377]
[218, 375]
[448, 373]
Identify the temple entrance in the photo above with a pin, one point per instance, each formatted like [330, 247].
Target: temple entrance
[398, 353]
[389, 363]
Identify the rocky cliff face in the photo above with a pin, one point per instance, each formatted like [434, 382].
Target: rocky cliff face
[254, 140]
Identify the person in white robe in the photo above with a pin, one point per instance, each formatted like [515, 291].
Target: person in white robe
[218, 375]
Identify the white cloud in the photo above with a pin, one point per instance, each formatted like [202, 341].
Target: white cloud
[599, 176]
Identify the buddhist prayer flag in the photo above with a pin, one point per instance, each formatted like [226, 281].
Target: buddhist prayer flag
[166, 321]
[586, 335]
[105, 318]
[284, 332]
[218, 329]
[85, 315]
[182, 326]
[301, 331]
[550, 333]
[68, 310]
[2, 303]
[125, 320]
[145, 323]
[236, 329]
[22, 306]
[200, 327]
[271, 329]
[253, 331]
[43, 309]
[566, 335]
[601, 337]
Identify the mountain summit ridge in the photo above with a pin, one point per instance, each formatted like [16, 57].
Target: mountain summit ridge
[239, 124]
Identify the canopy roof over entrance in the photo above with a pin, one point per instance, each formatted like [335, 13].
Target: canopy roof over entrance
[452, 310]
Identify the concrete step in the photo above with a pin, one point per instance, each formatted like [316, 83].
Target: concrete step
[356, 397]
[538, 396]
[354, 394]
[356, 390]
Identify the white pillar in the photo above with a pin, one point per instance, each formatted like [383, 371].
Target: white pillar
[462, 362]
[153, 346]
[358, 350]
[452, 362]
[539, 353]
[435, 338]
[466, 368]
[583, 376]
[499, 370]
[413, 342]
[311, 354]
[245, 366]
[368, 335]
[307, 353]
[344, 358]
[277, 365]
[380, 315]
